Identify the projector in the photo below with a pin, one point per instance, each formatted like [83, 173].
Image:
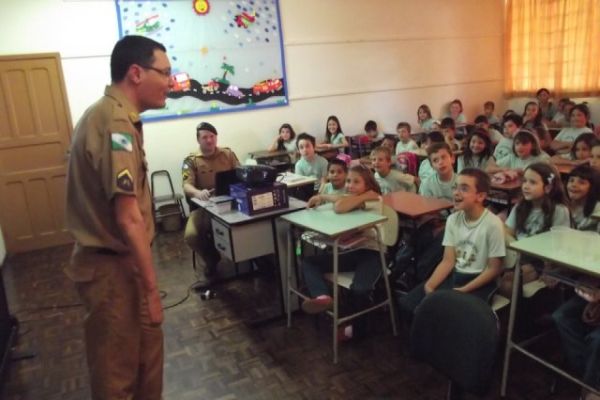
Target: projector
[256, 175]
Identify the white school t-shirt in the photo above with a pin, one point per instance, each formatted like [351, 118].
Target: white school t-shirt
[411, 145]
[316, 168]
[474, 242]
[535, 221]
[395, 181]
[569, 134]
[434, 187]
[514, 162]
[503, 149]
[583, 223]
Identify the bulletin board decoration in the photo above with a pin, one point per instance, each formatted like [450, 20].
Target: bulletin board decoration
[225, 55]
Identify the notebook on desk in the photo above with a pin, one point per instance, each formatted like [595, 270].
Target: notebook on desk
[222, 181]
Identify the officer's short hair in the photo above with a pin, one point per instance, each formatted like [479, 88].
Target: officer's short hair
[132, 50]
[205, 126]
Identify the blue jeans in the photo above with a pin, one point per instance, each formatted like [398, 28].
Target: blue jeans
[365, 264]
[581, 342]
[410, 302]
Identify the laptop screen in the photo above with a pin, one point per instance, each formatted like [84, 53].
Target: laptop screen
[222, 181]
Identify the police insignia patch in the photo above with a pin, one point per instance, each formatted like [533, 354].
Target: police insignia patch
[121, 142]
[125, 181]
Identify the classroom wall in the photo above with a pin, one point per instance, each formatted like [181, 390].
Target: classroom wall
[358, 60]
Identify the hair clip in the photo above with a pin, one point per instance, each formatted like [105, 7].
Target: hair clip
[550, 178]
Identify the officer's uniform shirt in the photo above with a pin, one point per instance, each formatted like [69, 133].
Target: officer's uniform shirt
[199, 170]
[107, 158]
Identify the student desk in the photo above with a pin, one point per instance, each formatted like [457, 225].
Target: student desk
[576, 250]
[325, 221]
[510, 189]
[272, 158]
[414, 205]
[300, 186]
[266, 154]
[240, 237]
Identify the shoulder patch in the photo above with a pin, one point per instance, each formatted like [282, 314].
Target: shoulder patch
[121, 142]
[125, 180]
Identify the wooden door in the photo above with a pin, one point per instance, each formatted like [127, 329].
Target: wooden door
[35, 132]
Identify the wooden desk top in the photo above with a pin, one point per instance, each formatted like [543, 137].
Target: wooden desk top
[414, 205]
[324, 220]
[577, 250]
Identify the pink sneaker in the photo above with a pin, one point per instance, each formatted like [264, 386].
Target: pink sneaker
[317, 305]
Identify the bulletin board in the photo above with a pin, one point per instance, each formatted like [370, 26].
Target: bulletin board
[225, 55]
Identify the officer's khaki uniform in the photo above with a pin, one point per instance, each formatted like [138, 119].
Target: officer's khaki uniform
[199, 171]
[124, 351]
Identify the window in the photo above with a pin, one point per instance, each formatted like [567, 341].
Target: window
[553, 44]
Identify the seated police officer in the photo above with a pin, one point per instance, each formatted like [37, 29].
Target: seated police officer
[199, 170]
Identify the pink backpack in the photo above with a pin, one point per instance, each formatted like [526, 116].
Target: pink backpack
[407, 162]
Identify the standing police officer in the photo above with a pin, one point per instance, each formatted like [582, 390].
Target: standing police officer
[109, 212]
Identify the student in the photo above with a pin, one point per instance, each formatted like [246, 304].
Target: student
[442, 182]
[336, 177]
[455, 111]
[579, 119]
[478, 151]
[512, 124]
[583, 191]
[579, 329]
[449, 132]
[595, 155]
[334, 137]
[532, 116]
[405, 143]
[488, 112]
[424, 118]
[310, 163]
[363, 193]
[390, 180]
[544, 205]
[372, 132]
[545, 140]
[482, 122]
[425, 168]
[547, 109]
[389, 142]
[581, 151]
[284, 140]
[526, 150]
[559, 120]
[473, 245]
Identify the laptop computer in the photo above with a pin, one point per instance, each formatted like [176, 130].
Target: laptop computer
[222, 181]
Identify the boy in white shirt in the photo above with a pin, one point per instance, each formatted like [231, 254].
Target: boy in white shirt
[441, 183]
[425, 169]
[405, 143]
[473, 245]
[512, 125]
[482, 122]
[390, 180]
[310, 163]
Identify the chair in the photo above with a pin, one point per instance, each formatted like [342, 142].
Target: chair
[388, 236]
[171, 198]
[457, 334]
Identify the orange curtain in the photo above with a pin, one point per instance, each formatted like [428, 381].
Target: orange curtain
[553, 44]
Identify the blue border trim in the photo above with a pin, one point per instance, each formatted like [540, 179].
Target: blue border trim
[281, 49]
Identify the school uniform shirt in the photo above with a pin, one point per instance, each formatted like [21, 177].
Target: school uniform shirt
[569, 134]
[503, 148]
[411, 145]
[316, 168]
[338, 139]
[514, 162]
[560, 119]
[534, 223]
[495, 136]
[460, 119]
[427, 125]
[425, 170]
[583, 223]
[434, 187]
[493, 120]
[329, 189]
[475, 162]
[395, 181]
[374, 206]
[474, 242]
[290, 146]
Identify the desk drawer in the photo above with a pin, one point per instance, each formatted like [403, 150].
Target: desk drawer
[221, 237]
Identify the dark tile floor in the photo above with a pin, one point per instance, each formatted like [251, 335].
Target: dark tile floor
[211, 353]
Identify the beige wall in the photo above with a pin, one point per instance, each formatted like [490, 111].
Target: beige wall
[359, 60]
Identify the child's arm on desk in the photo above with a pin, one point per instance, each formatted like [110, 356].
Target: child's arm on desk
[443, 269]
[348, 203]
[319, 199]
[494, 268]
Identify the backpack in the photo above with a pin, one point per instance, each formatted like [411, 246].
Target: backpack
[407, 162]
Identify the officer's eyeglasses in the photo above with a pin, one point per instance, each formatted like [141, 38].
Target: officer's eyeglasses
[164, 72]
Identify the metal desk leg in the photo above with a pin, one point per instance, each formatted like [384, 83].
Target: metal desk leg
[511, 326]
[386, 282]
[335, 301]
[289, 276]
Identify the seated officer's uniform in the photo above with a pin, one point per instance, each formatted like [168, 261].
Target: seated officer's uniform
[124, 351]
[199, 171]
